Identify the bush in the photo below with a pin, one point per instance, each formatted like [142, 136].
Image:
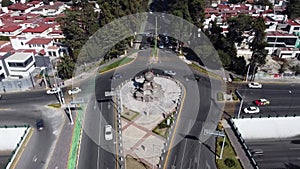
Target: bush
[221, 143]
[234, 96]
[229, 162]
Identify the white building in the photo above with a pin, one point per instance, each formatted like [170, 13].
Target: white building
[279, 39]
[20, 65]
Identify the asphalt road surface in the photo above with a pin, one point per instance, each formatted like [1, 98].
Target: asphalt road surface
[95, 151]
[283, 99]
[26, 108]
[279, 154]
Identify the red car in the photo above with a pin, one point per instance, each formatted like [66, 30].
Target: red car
[262, 102]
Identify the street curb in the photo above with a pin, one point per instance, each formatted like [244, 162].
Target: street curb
[18, 155]
[119, 65]
[175, 128]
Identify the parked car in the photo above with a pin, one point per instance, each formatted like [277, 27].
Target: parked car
[74, 91]
[170, 72]
[255, 85]
[53, 90]
[117, 76]
[40, 124]
[108, 132]
[262, 102]
[251, 109]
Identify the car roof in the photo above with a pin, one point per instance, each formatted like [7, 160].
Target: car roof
[263, 100]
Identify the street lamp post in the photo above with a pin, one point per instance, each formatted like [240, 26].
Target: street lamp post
[70, 114]
[217, 134]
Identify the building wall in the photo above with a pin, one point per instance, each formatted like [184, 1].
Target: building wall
[16, 72]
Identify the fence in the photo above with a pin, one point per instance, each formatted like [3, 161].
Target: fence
[243, 143]
[16, 150]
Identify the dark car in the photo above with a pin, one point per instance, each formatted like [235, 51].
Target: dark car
[40, 124]
[116, 76]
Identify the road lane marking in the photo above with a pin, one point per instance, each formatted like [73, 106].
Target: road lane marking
[116, 131]
[295, 148]
[22, 148]
[171, 142]
[198, 161]
[98, 153]
[98, 157]
[184, 148]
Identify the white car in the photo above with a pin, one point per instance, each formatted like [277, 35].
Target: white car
[170, 72]
[53, 90]
[255, 85]
[251, 110]
[74, 91]
[108, 132]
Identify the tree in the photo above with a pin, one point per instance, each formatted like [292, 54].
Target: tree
[66, 67]
[293, 9]
[238, 65]
[6, 3]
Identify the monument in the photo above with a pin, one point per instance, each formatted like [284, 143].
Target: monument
[149, 90]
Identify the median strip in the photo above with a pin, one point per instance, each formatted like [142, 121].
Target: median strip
[75, 141]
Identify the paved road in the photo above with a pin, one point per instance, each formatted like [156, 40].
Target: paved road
[96, 152]
[41, 142]
[277, 153]
[191, 149]
[283, 98]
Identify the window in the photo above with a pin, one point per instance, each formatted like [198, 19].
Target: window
[296, 28]
[22, 43]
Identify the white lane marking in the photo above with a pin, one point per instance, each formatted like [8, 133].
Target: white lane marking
[184, 148]
[295, 148]
[207, 165]
[198, 161]
[98, 155]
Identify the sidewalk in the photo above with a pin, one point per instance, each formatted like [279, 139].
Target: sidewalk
[237, 146]
[60, 156]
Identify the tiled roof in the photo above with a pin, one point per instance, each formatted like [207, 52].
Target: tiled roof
[38, 29]
[18, 6]
[41, 41]
[10, 28]
[277, 33]
[292, 23]
[7, 48]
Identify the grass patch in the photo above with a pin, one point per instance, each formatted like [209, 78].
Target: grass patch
[220, 96]
[130, 114]
[229, 160]
[238, 79]
[75, 141]
[162, 128]
[116, 64]
[202, 70]
[133, 163]
[55, 105]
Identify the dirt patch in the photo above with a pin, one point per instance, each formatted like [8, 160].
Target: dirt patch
[132, 163]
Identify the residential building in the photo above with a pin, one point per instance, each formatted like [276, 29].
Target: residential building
[20, 65]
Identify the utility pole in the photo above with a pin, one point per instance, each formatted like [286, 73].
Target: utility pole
[248, 72]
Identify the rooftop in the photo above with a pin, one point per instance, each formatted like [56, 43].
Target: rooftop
[10, 28]
[40, 41]
[19, 57]
[18, 6]
[38, 29]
